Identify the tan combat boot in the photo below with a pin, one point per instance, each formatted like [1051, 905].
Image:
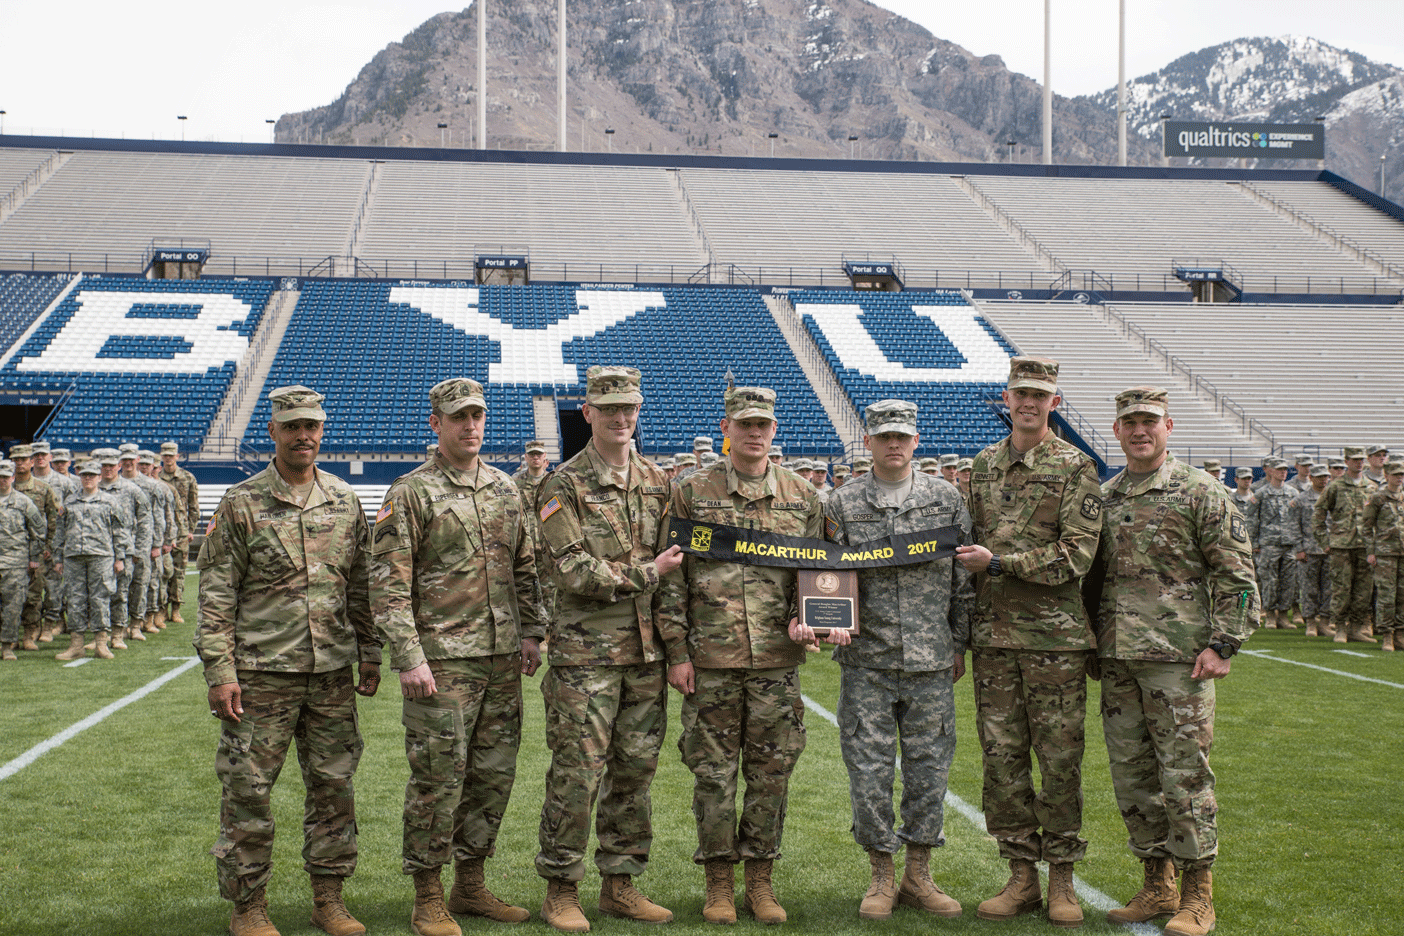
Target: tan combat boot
[46, 631]
[1021, 894]
[149, 624]
[1387, 642]
[1063, 908]
[1342, 632]
[1359, 633]
[1300, 617]
[881, 897]
[720, 905]
[919, 890]
[75, 651]
[562, 908]
[1156, 898]
[760, 899]
[470, 896]
[31, 631]
[115, 640]
[1324, 627]
[1284, 620]
[134, 633]
[174, 617]
[1311, 630]
[7, 652]
[620, 898]
[100, 646]
[250, 918]
[1196, 914]
[329, 912]
[159, 619]
[430, 916]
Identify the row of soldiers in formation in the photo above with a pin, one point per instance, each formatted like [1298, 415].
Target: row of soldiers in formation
[99, 554]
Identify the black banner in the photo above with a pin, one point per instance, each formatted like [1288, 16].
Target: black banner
[756, 547]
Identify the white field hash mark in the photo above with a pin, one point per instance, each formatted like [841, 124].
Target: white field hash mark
[1266, 655]
[1086, 891]
[44, 747]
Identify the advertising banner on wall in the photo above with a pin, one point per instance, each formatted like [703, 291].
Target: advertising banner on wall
[1234, 140]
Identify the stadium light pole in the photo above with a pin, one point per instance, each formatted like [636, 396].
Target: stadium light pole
[852, 141]
[561, 80]
[181, 118]
[1047, 83]
[482, 74]
[272, 126]
[1121, 88]
[1011, 144]
[1164, 153]
[1382, 162]
[2, 123]
[773, 135]
[1321, 119]
[442, 128]
[609, 138]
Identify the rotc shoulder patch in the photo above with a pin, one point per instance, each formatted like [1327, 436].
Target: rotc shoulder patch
[1237, 528]
[386, 511]
[550, 507]
[1091, 506]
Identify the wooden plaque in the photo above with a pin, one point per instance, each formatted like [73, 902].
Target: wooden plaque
[828, 600]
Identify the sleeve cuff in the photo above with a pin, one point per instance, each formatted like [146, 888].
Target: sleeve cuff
[220, 674]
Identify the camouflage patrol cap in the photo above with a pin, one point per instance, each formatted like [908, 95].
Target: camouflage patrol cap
[292, 402]
[1337, 463]
[40, 447]
[170, 448]
[965, 464]
[128, 451]
[685, 459]
[1320, 471]
[929, 464]
[750, 403]
[1153, 400]
[613, 386]
[127, 447]
[147, 456]
[842, 471]
[949, 460]
[23, 450]
[666, 463]
[1376, 448]
[1394, 466]
[708, 458]
[7, 468]
[863, 463]
[890, 416]
[60, 455]
[1212, 464]
[1278, 463]
[90, 466]
[536, 447]
[107, 456]
[456, 393]
[1033, 373]
[1305, 459]
[1350, 451]
[1243, 473]
[702, 444]
[801, 464]
[776, 452]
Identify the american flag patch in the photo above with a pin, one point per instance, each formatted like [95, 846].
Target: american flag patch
[830, 527]
[550, 507]
[384, 512]
[211, 527]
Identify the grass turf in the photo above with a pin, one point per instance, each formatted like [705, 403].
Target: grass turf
[109, 832]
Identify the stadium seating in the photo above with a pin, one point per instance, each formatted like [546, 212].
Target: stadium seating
[927, 347]
[375, 349]
[22, 299]
[1334, 210]
[145, 371]
[15, 164]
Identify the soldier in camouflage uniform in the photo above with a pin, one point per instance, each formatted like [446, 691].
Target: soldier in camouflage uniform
[1213, 468]
[741, 696]
[841, 473]
[22, 535]
[604, 525]
[964, 468]
[1313, 584]
[174, 525]
[1242, 495]
[863, 464]
[63, 484]
[1336, 522]
[1035, 504]
[92, 542]
[188, 502]
[136, 509]
[1374, 472]
[930, 466]
[148, 560]
[528, 479]
[1270, 530]
[283, 614]
[47, 500]
[453, 589]
[1383, 524]
[898, 676]
[1301, 481]
[1177, 600]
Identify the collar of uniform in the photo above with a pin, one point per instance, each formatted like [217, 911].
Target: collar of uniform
[604, 472]
[1158, 481]
[923, 485]
[1005, 460]
[472, 478]
[283, 490]
[751, 490]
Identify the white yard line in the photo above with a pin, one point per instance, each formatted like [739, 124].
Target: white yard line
[1267, 655]
[44, 747]
[78, 662]
[1086, 891]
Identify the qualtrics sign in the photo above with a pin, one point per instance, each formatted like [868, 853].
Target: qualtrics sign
[1248, 140]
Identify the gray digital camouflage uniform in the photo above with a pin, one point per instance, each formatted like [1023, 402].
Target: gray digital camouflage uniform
[1313, 583]
[1383, 524]
[1270, 530]
[91, 536]
[23, 533]
[136, 509]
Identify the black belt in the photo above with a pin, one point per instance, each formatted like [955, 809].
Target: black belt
[757, 547]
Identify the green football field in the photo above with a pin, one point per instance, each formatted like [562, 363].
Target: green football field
[105, 829]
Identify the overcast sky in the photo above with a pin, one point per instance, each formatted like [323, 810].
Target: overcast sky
[125, 67]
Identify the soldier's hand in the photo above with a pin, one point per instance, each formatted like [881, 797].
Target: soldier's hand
[1301, 556]
[189, 538]
[957, 666]
[803, 635]
[974, 558]
[155, 552]
[225, 702]
[668, 560]
[33, 565]
[531, 656]
[417, 683]
[370, 679]
[1370, 559]
[682, 677]
[1209, 665]
[118, 566]
[58, 567]
[166, 549]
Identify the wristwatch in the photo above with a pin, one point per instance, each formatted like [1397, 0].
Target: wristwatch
[995, 568]
[1225, 650]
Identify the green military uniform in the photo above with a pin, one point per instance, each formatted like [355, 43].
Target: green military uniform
[1178, 576]
[284, 612]
[746, 713]
[22, 536]
[528, 486]
[1383, 526]
[63, 485]
[49, 503]
[1313, 584]
[452, 578]
[136, 508]
[1337, 521]
[187, 510]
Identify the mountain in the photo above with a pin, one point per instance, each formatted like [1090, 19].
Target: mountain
[1289, 79]
[717, 77]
